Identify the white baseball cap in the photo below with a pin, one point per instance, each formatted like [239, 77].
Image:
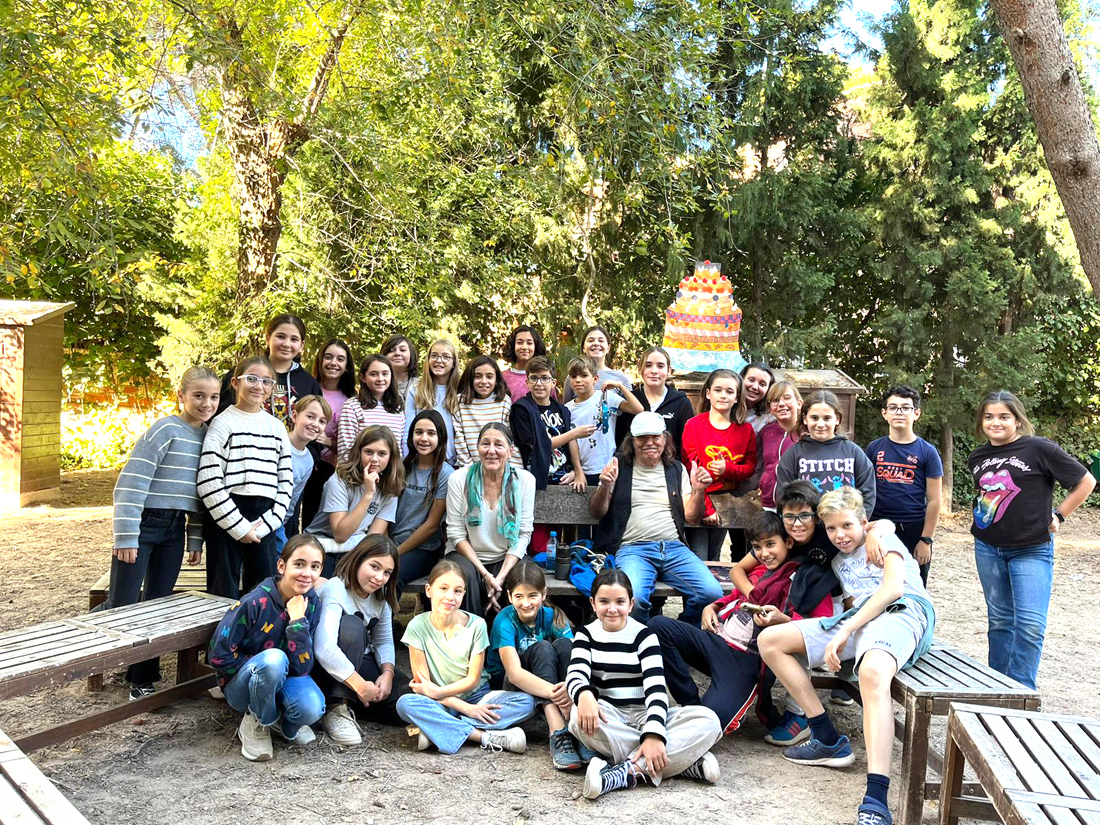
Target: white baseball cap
[647, 423]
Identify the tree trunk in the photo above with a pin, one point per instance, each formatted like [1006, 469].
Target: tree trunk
[947, 456]
[945, 387]
[1052, 88]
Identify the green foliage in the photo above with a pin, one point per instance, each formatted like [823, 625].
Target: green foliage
[101, 437]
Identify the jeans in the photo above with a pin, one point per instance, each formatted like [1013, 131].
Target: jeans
[1017, 584]
[647, 562]
[261, 687]
[706, 542]
[159, 558]
[448, 730]
[354, 640]
[909, 533]
[233, 568]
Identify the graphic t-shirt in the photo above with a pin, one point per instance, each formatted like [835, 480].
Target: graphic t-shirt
[1015, 489]
[901, 473]
[859, 579]
[597, 449]
[338, 497]
[510, 631]
[556, 424]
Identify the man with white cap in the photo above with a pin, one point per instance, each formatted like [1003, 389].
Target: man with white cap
[644, 501]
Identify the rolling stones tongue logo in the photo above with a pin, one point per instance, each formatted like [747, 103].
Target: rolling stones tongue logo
[996, 491]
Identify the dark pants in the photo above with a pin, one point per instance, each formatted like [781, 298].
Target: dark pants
[706, 542]
[547, 660]
[477, 599]
[739, 545]
[159, 557]
[233, 568]
[310, 502]
[354, 641]
[416, 564]
[910, 532]
[734, 674]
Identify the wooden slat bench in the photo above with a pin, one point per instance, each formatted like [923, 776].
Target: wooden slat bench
[27, 797]
[55, 653]
[943, 675]
[191, 579]
[1034, 768]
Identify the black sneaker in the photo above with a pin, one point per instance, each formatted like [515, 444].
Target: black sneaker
[141, 692]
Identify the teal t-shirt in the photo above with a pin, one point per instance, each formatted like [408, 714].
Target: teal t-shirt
[509, 631]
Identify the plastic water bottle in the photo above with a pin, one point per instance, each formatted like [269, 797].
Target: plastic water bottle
[552, 551]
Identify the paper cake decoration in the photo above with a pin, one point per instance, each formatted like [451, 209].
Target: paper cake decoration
[703, 324]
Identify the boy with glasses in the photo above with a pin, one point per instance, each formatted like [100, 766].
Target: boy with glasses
[908, 476]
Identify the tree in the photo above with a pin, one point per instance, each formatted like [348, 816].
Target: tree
[1058, 104]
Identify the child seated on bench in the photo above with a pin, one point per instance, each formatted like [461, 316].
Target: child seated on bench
[888, 625]
[262, 651]
[724, 648]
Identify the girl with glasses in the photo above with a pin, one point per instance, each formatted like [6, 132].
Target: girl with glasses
[245, 482]
[436, 389]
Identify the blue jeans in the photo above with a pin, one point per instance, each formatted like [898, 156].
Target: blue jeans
[159, 558]
[262, 688]
[1017, 584]
[648, 562]
[448, 730]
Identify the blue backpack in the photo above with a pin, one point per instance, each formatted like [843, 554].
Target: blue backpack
[586, 565]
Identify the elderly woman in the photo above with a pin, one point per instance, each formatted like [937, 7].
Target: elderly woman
[490, 516]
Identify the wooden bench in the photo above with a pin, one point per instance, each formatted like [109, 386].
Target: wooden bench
[27, 797]
[1034, 768]
[190, 580]
[943, 675]
[55, 653]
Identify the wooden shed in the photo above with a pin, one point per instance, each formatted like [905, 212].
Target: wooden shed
[846, 388]
[32, 336]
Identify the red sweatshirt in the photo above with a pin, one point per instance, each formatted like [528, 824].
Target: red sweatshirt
[736, 444]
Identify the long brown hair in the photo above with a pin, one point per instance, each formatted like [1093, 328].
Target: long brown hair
[530, 574]
[466, 392]
[438, 457]
[373, 546]
[391, 343]
[739, 412]
[1015, 406]
[346, 383]
[391, 400]
[391, 481]
[278, 321]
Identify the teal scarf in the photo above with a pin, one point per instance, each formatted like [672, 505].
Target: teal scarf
[507, 508]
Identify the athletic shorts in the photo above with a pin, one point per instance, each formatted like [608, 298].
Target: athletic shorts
[898, 631]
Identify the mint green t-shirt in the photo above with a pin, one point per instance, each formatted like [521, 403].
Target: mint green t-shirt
[449, 659]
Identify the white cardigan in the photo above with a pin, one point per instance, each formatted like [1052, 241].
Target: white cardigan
[489, 545]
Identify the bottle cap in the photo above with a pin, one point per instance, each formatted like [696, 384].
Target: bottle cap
[554, 533]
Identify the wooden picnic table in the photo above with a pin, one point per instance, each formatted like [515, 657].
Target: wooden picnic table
[1034, 768]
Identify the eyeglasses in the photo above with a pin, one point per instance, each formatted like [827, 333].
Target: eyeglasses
[894, 408]
[443, 359]
[797, 518]
[540, 379]
[253, 380]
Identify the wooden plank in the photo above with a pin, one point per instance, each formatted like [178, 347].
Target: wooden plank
[30, 664]
[1086, 748]
[986, 673]
[14, 809]
[1055, 800]
[43, 797]
[1045, 758]
[1085, 774]
[69, 645]
[914, 760]
[41, 637]
[1030, 776]
[94, 721]
[148, 627]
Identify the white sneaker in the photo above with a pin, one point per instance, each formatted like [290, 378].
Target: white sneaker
[216, 693]
[341, 727]
[423, 742]
[704, 769]
[304, 736]
[255, 739]
[509, 739]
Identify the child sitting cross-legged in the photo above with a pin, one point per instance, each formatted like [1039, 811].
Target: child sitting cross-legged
[724, 647]
[616, 682]
[887, 626]
[530, 650]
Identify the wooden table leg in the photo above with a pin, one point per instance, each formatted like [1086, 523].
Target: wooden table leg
[953, 765]
[187, 665]
[914, 761]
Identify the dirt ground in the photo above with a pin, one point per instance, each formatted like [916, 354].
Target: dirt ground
[182, 764]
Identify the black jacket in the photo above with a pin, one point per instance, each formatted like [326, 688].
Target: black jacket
[676, 409]
[610, 529]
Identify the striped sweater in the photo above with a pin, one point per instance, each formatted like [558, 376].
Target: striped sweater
[623, 668]
[469, 420]
[354, 419]
[245, 454]
[160, 475]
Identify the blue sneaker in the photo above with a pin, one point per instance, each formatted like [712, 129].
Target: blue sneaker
[814, 752]
[873, 812]
[584, 752]
[792, 730]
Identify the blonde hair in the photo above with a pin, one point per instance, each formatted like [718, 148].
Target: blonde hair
[193, 374]
[424, 397]
[306, 400]
[780, 387]
[846, 499]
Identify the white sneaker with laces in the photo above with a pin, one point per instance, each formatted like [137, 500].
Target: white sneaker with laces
[304, 736]
[509, 739]
[255, 739]
[341, 726]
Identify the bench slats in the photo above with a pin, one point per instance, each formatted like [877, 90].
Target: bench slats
[1045, 758]
[984, 674]
[14, 809]
[43, 797]
[80, 646]
[1083, 774]
[38, 638]
[152, 624]
[1086, 747]
[1028, 774]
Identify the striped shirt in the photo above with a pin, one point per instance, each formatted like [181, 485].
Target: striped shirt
[623, 668]
[160, 475]
[354, 419]
[245, 454]
[469, 420]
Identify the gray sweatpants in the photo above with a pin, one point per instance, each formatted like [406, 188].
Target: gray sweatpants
[690, 732]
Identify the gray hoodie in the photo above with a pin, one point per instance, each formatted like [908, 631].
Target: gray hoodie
[829, 465]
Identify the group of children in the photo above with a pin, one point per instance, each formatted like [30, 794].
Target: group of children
[321, 503]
